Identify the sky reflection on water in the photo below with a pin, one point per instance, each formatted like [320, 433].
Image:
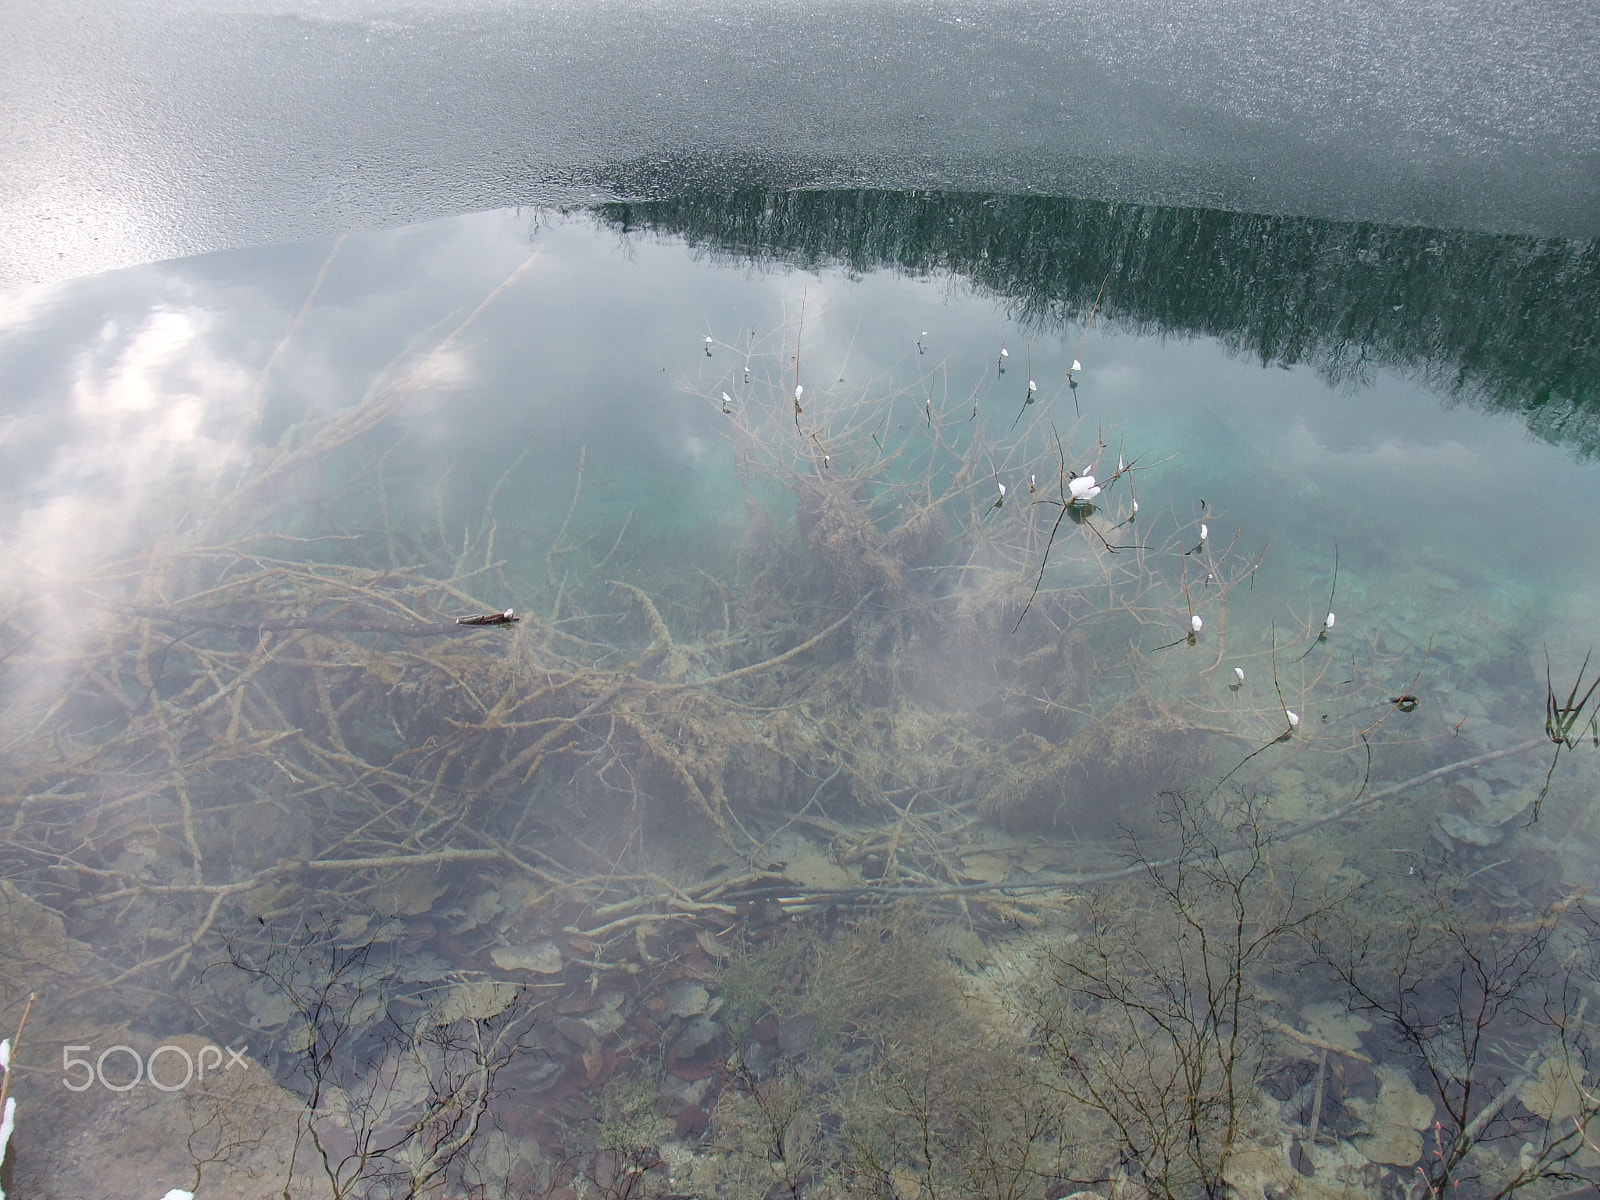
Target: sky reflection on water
[162, 371]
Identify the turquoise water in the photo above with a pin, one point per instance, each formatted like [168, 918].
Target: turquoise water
[1390, 434]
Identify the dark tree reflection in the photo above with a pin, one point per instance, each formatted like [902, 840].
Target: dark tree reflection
[1499, 321]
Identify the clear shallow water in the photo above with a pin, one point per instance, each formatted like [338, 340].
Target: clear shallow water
[143, 506]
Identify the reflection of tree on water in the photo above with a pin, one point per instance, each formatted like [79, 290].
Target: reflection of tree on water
[1503, 321]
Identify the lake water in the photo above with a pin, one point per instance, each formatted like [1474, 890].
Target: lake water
[783, 655]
